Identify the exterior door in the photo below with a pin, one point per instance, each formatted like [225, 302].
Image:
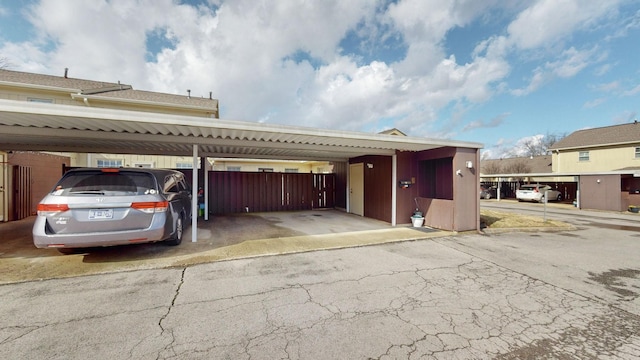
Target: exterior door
[356, 189]
[3, 187]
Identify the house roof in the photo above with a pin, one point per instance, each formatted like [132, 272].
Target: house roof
[393, 131]
[66, 128]
[602, 136]
[536, 164]
[106, 91]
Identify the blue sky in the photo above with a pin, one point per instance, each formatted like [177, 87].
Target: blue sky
[494, 72]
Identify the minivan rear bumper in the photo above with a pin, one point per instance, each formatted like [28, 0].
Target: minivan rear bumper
[155, 232]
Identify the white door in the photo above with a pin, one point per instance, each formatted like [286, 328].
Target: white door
[356, 189]
[3, 186]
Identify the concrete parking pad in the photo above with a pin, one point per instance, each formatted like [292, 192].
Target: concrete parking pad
[220, 238]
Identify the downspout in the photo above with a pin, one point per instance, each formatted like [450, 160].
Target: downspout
[206, 187]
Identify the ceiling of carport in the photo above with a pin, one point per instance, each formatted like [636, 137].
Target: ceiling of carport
[63, 128]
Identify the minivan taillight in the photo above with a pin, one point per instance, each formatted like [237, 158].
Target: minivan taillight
[51, 209]
[151, 207]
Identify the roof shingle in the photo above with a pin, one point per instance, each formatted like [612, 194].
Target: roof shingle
[608, 135]
[106, 89]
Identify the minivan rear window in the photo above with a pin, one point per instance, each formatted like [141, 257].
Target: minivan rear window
[106, 183]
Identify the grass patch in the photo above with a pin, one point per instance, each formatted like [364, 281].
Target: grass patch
[505, 220]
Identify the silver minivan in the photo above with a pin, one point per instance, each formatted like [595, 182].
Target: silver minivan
[91, 207]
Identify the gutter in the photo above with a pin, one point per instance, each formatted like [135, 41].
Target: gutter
[86, 98]
[557, 150]
[38, 87]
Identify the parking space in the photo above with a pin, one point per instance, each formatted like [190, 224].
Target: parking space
[221, 238]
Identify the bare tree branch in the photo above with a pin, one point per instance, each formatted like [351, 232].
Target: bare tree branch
[5, 63]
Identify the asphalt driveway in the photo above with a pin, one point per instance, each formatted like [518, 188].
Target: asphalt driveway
[458, 297]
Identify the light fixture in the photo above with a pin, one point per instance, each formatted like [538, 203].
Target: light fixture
[370, 165]
[459, 172]
[469, 164]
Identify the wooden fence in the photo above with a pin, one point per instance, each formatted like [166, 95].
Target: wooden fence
[234, 192]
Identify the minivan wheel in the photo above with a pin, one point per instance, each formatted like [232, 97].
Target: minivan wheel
[176, 239]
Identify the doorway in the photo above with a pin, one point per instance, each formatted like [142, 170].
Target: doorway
[356, 189]
[3, 186]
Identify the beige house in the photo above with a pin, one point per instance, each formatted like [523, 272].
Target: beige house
[22, 86]
[599, 168]
[609, 148]
[63, 90]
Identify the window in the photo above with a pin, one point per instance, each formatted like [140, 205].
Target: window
[146, 165]
[638, 153]
[233, 168]
[112, 163]
[292, 170]
[583, 156]
[265, 169]
[184, 165]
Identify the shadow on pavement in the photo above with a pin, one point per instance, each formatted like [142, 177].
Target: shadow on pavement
[225, 237]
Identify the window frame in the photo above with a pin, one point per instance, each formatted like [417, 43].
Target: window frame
[584, 156]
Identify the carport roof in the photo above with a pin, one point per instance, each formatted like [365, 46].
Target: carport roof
[66, 128]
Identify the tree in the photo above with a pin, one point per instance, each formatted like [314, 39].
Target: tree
[517, 167]
[537, 145]
[5, 63]
[491, 167]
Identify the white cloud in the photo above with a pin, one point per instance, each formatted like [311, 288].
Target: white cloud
[244, 53]
[633, 91]
[568, 64]
[594, 103]
[549, 21]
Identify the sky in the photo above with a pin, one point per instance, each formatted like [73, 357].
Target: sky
[495, 72]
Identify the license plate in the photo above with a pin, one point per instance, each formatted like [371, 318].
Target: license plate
[98, 214]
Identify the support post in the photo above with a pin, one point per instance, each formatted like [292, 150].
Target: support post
[205, 166]
[194, 196]
[394, 189]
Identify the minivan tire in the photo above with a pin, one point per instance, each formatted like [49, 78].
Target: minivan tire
[176, 238]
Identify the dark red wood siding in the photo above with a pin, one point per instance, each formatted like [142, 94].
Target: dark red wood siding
[234, 192]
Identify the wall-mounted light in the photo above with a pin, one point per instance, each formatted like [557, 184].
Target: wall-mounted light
[404, 184]
[598, 181]
[469, 164]
[459, 172]
[370, 165]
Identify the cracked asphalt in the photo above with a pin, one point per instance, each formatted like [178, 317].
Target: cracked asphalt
[565, 295]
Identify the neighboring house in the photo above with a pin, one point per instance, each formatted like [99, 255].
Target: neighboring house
[598, 167]
[15, 85]
[608, 161]
[393, 131]
[23, 86]
[607, 148]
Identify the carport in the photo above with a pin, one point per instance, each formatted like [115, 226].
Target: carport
[603, 190]
[30, 126]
